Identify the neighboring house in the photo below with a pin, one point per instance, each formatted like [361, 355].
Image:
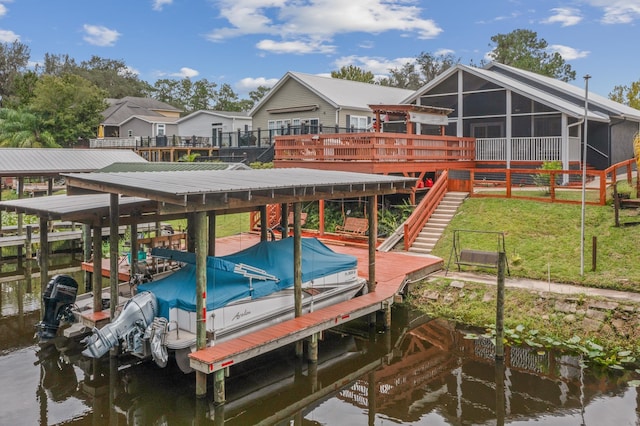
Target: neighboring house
[154, 117]
[305, 103]
[519, 117]
[221, 127]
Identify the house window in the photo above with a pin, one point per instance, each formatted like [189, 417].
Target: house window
[278, 127]
[129, 133]
[358, 123]
[295, 126]
[314, 125]
[160, 129]
[487, 130]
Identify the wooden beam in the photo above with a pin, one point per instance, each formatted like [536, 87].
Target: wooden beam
[114, 239]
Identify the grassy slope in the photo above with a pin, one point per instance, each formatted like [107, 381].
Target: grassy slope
[544, 238]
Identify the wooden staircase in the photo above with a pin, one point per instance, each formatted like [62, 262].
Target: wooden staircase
[433, 229]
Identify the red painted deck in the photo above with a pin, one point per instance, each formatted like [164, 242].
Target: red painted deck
[392, 269]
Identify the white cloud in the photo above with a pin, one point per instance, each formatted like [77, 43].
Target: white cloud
[248, 84]
[160, 4]
[617, 11]
[316, 22]
[3, 10]
[566, 17]
[8, 36]
[569, 53]
[99, 35]
[443, 52]
[297, 46]
[377, 65]
[185, 72]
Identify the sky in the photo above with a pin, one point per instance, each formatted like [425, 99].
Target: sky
[248, 43]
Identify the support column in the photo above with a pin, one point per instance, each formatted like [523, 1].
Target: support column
[191, 233]
[198, 225]
[373, 239]
[44, 254]
[284, 219]
[321, 217]
[212, 233]
[133, 263]
[114, 237]
[297, 265]
[86, 253]
[264, 224]
[28, 248]
[218, 388]
[97, 269]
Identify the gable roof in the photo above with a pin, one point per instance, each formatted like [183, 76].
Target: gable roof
[243, 115]
[554, 93]
[121, 109]
[339, 92]
[151, 119]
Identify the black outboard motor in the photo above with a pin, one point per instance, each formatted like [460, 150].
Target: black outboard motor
[58, 297]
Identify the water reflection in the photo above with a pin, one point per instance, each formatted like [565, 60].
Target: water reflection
[421, 372]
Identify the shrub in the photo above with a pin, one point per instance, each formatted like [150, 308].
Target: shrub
[542, 180]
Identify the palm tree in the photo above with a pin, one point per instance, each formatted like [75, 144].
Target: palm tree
[22, 129]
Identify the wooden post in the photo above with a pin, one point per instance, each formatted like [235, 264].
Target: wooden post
[114, 237]
[284, 219]
[133, 263]
[297, 266]
[264, 224]
[86, 253]
[594, 252]
[198, 224]
[321, 217]
[218, 387]
[212, 233]
[20, 196]
[44, 254]
[373, 236]
[97, 269]
[28, 256]
[500, 397]
[191, 233]
[500, 306]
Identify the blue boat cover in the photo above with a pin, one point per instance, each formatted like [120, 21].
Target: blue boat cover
[224, 285]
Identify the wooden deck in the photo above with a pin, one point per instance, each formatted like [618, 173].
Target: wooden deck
[392, 269]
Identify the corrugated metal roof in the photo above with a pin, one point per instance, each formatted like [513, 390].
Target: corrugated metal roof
[239, 189]
[53, 161]
[171, 166]
[74, 207]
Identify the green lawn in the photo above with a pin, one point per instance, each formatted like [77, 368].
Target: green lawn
[543, 239]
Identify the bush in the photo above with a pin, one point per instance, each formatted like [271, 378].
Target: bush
[542, 180]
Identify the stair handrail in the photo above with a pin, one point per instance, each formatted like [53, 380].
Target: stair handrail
[423, 211]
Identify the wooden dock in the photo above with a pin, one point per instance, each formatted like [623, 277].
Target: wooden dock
[393, 269]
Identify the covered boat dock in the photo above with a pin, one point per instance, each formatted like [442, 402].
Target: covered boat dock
[201, 195]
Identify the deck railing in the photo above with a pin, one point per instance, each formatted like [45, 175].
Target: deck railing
[423, 211]
[548, 148]
[375, 147]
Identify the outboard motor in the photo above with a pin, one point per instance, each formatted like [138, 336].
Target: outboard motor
[58, 298]
[130, 325]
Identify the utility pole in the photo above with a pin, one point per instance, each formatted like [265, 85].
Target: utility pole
[584, 169]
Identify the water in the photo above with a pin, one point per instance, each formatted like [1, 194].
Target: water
[421, 372]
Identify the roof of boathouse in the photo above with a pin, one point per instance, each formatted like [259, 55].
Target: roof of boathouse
[203, 190]
[168, 166]
[16, 162]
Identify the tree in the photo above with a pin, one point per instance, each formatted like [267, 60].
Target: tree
[113, 76]
[23, 129]
[185, 94]
[354, 73]
[415, 74]
[14, 58]
[522, 49]
[70, 106]
[628, 95]
[405, 77]
[22, 91]
[257, 94]
[227, 99]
